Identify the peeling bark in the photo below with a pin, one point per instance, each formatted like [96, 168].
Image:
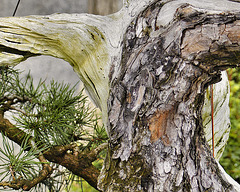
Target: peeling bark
[147, 67]
[157, 141]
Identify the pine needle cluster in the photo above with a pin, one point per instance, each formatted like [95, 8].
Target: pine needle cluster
[50, 123]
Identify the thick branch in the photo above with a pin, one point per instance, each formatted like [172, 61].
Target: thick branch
[171, 52]
[79, 39]
[13, 133]
[18, 136]
[26, 185]
[80, 163]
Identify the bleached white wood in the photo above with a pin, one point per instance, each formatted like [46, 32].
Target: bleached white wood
[87, 42]
[221, 116]
[92, 43]
[230, 179]
[70, 37]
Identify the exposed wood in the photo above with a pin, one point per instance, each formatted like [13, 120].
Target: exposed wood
[158, 125]
[148, 68]
[221, 115]
[212, 119]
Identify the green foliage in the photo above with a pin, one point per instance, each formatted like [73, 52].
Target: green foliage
[82, 186]
[20, 163]
[231, 156]
[52, 115]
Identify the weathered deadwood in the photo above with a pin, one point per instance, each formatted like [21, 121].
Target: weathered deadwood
[220, 116]
[152, 62]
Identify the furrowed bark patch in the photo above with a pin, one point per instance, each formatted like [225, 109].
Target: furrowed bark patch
[212, 43]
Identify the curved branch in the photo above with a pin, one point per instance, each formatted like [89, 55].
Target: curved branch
[206, 33]
[85, 41]
[79, 163]
[18, 136]
[26, 185]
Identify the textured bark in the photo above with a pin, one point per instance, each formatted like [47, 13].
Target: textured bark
[157, 141]
[147, 67]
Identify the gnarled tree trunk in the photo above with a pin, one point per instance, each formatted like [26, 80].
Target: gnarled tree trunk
[157, 141]
[147, 67]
